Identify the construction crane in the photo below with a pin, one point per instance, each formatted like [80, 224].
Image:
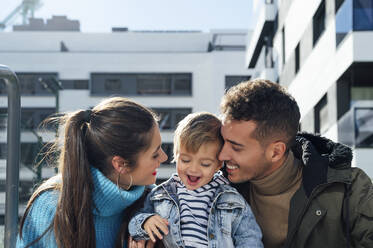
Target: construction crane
[26, 9]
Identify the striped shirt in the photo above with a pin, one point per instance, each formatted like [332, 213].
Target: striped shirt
[195, 206]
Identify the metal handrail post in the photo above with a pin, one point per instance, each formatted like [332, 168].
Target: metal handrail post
[13, 156]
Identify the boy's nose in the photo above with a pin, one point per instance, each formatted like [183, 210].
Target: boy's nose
[193, 167]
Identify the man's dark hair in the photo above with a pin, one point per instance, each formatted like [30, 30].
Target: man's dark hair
[275, 111]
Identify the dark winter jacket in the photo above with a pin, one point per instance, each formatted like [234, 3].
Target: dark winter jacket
[334, 205]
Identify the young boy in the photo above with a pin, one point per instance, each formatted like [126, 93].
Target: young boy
[197, 207]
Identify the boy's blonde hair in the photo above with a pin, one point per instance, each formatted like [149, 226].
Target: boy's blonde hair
[195, 130]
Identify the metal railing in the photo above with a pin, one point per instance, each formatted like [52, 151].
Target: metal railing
[13, 156]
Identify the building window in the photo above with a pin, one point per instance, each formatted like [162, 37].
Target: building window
[297, 59]
[31, 153]
[75, 84]
[31, 118]
[182, 84]
[363, 15]
[153, 84]
[363, 127]
[168, 149]
[321, 115]
[30, 83]
[169, 117]
[234, 80]
[338, 4]
[318, 22]
[141, 84]
[112, 85]
[3, 150]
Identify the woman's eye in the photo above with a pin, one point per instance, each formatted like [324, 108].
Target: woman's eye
[156, 156]
[205, 165]
[185, 161]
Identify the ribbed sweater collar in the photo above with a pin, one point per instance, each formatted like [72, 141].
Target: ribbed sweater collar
[280, 180]
[109, 199]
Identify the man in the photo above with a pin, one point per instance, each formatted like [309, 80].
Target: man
[301, 187]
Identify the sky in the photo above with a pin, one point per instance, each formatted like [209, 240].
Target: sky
[102, 15]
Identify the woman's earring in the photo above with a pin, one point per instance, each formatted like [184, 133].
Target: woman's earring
[118, 180]
[129, 186]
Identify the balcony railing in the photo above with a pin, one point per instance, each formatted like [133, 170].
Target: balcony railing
[353, 15]
[355, 128]
[263, 19]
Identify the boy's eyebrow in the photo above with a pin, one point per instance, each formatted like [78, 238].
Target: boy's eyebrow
[203, 158]
[211, 159]
[183, 154]
[235, 143]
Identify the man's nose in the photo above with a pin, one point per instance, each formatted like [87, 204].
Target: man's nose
[224, 155]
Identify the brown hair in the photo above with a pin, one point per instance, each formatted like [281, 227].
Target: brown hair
[195, 130]
[115, 127]
[275, 111]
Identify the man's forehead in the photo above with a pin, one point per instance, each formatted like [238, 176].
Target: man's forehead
[243, 123]
[238, 130]
[226, 121]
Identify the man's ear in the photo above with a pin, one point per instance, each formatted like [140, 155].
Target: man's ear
[119, 164]
[276, 151]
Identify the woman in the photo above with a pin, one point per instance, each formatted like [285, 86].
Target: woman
[108, 155]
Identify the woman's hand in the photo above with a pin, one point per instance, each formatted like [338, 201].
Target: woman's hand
[154, 225]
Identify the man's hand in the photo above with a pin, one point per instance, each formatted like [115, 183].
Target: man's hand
[154, 225]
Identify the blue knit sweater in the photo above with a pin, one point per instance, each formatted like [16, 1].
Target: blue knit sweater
[109, 200]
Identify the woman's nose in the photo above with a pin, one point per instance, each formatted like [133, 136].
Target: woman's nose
[163, 156]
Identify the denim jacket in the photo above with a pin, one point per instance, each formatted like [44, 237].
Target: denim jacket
[231, 222]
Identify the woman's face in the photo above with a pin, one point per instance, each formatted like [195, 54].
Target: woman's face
[145, 171]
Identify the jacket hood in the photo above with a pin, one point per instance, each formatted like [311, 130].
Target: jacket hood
[324, 160]
[339, 156]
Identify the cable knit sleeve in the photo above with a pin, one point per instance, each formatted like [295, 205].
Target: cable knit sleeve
[38, 220]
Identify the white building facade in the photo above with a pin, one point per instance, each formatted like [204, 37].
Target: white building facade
[321, 52]
[172, 72]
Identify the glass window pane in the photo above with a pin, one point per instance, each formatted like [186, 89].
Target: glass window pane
[153, 84]
[3, 150]
[35, 83]
[363, 15]
[182, 84]
[168, 149]
[180, 115]
[234, 80]
[113, 85]
[361, 93]
[31, 118]
[164, 118]
[364, 127]
[319, 22]
[343, 21]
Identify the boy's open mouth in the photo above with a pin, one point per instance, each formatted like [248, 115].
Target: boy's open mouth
[193, 179]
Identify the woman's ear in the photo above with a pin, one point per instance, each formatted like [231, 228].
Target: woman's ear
[119, 164]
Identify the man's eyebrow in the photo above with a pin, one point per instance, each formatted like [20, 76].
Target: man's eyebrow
[234, 143]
